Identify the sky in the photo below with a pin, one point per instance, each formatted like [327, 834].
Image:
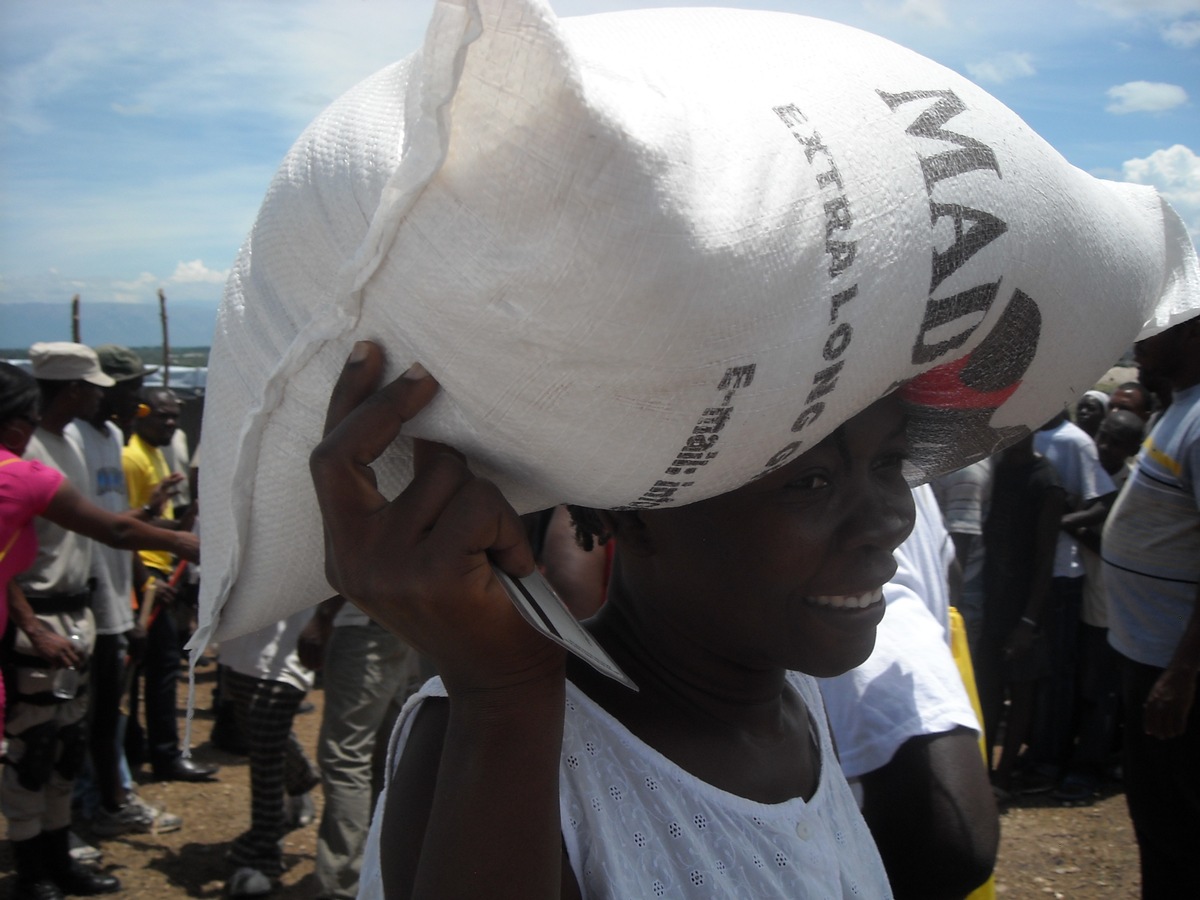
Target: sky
[138, 139]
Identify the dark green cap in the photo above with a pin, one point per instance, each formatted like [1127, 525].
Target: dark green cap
[121, 363]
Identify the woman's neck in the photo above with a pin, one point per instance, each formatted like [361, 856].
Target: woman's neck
[740, 730]
[673, 671]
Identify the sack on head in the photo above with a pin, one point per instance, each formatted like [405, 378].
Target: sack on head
[652, 255]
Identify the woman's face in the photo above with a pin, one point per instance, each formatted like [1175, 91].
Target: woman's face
[787, 570]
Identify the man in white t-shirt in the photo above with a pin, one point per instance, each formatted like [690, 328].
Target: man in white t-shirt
[1151, 552]
[119, 810]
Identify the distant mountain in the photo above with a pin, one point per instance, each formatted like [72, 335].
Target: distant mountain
[134, 325]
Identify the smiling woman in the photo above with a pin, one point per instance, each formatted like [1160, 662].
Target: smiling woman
[713, 610]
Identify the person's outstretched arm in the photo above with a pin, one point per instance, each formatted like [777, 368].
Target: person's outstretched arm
[71, 510]
[473, 811]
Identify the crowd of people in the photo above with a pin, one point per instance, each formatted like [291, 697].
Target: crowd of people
[99, 564]
[1071, 555]
[1080, 549]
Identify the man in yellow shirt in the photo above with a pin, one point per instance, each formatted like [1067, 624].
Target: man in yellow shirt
[145, 466]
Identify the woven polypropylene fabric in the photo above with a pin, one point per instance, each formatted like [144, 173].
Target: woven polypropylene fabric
[652, 255]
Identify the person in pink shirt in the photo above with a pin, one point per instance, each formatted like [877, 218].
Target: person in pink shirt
[26, 489]
[37, 779]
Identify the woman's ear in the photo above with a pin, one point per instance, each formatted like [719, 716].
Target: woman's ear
[630, 531]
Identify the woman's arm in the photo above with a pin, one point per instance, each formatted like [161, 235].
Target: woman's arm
[421, 565]
[470, 810]
[71, 510]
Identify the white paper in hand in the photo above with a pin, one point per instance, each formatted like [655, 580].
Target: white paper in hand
[545, 611]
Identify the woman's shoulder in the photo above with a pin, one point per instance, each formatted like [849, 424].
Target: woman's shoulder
[30, 479]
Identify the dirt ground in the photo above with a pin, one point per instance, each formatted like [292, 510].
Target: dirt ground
[1045, 851]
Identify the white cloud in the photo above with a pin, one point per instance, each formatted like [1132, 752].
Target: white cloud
[1184, 35]
[1003, 67]
[1176, 173]
[166, 59]
[132, 110]
[1129, 9]
[135, 292]
[1145, 96]
[928, 12]
[143, 281]
[197, 272]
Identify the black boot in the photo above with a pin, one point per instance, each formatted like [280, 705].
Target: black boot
[74, 877]
[33, 879]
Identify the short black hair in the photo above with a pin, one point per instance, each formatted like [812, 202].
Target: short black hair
[19, 393]
[155, 393]
[1149, 400]
[590, 529]
[1125, 426]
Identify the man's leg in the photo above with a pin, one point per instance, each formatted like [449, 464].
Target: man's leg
[365, 668]
[1054, 717]
[265, 711]
[1097, 715]
[1162, 789]
[161, 667]
[47, 748]
[107, 670]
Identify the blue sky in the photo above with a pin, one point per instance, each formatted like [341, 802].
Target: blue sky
[137, 139]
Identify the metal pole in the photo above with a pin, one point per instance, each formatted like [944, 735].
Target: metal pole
[166, 341]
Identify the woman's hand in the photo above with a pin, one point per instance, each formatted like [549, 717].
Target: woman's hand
[420, 564]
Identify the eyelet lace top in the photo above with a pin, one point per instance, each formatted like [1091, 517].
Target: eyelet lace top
[636, 825]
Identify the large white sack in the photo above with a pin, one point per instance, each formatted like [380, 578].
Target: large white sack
[650, 256]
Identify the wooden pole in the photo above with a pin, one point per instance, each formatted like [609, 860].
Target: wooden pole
[75, 329]
[166, 341]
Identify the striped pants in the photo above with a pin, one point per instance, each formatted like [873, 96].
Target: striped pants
[278, 766]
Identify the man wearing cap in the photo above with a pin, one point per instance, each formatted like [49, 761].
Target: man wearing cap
[37, 798]
[1151, 553]
[145, 469]
[102, 440]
